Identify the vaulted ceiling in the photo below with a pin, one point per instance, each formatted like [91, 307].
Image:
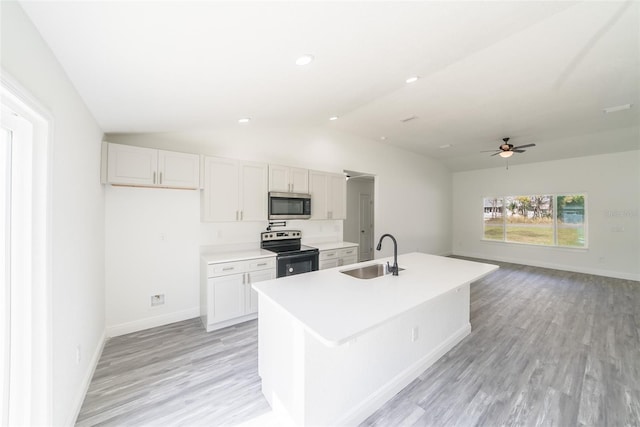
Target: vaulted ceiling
[538, 72]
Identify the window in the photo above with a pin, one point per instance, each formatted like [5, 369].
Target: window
[539, 219]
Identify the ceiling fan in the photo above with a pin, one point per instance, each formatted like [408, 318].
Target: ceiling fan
[506, 150]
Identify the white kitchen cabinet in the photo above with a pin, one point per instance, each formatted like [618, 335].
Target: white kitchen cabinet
[148, 167]
[251, 305]
[226, 298]
[286, 179]
[328, 195]
[330, 258]
[234, 190]
[227, 293]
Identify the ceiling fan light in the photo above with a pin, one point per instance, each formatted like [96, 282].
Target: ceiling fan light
[506, 154]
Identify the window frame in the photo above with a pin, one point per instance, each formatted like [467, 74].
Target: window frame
[554, 223]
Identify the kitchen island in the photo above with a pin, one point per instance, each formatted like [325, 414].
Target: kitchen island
[334, 348]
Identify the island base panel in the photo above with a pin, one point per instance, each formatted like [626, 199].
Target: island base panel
[309, 383]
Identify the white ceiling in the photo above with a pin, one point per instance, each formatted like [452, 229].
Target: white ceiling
[539, 72]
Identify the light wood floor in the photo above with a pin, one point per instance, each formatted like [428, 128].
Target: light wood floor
[547, 348]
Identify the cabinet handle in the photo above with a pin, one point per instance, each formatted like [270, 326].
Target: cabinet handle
[228, 268]
[248, 278]
[244, 278]
[332, 254]
[160, 182]
[154, 177]
[241, 215]
[261, 264]
[237, 215]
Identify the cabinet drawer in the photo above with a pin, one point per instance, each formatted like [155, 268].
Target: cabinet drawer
[222, 269]
[262, 264]
[348, 252]
[328, 254]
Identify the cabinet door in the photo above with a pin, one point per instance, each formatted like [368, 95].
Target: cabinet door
[299, 180]
[318, 190]
[348, 260]
[253, 191]
[178, 170]
[227, 297]
[337, 197]
[252, 296]
[129, 165]
[279, 178]
[221, 190]
[328, 263]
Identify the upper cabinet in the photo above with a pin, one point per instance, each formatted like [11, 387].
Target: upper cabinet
[148, 167]
[328, 195]
[286, 179]
[234, 190]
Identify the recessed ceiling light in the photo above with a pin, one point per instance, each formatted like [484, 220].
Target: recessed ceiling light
[412, 79]
[445, 146]
[332, 118]
[383, 138]
[244, 120]
[617, 108]
[304, 60]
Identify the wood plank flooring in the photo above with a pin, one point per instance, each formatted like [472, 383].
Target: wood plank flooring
[547, 348]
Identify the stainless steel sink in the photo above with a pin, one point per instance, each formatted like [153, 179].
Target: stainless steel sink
[367, 272]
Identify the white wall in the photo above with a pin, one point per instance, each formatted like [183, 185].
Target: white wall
[139, 262]
[78, 210]
[612, 185]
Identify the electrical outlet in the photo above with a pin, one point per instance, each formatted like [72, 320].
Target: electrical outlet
[157, 299]
[415, 334]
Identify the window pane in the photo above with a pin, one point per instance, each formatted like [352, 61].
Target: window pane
[493, 222]
[529, 219]
[571, 220]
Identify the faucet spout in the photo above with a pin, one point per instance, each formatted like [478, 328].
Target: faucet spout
[393, 269]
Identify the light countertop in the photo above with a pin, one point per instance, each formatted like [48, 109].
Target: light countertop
[336, 308]
[328, 246]
[231, 256]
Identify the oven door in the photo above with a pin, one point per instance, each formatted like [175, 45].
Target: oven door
[288, 265]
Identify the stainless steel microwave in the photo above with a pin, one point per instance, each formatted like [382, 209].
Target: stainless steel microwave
[289, 206]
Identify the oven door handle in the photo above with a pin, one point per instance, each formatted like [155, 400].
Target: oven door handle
[297, 256]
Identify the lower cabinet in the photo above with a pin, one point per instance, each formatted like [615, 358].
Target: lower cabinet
[338, 257]
[226, 295]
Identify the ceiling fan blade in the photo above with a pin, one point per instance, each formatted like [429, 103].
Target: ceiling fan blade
[495, 154]
[518, 151]
[524, 146]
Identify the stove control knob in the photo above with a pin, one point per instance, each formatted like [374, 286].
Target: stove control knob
[290, 269]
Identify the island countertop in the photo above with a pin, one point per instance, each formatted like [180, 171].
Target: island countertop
[336, 308]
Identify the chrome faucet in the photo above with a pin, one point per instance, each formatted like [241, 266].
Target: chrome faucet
[391, 269]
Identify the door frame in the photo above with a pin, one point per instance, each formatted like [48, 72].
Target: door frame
[36, 259]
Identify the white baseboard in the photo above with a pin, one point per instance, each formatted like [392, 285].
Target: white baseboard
[86, 381]
[554, 266]
[369, 405]
[152, 322]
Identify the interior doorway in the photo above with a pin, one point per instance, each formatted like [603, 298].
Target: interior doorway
[359, 225]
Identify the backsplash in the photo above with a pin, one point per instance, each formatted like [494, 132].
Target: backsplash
[246, 235]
